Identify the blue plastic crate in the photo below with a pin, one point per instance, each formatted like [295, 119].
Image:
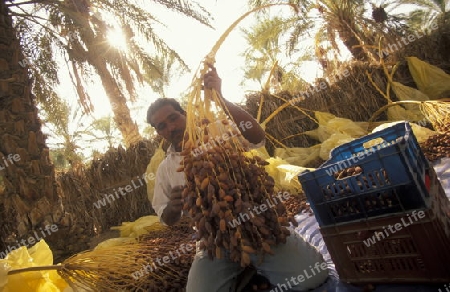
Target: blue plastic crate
[399, 133]
[392, 178]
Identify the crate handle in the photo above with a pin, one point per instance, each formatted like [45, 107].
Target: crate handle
[403, 128]
[344, 174]
[374, 142]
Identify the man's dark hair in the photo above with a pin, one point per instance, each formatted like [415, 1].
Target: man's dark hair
[159, 103]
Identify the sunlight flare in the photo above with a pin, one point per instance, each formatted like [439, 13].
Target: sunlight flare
[116, 39]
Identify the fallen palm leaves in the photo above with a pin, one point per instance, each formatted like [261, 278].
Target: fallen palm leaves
[438, 113]
[139, 266]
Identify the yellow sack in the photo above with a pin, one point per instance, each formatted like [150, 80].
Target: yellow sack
[261, 152]
[347, 127]
[334, 141]
[399, 113]
[290, 181]
[409, 112]
[36, 281]
[322, 132]
[115, 242]
[431, 80]
[330, 124]
[152, 167]
[4, 268]
[284, 174]
[404, 92]
[136, 228]
[421, 133]
[298, 156]
[323, 117]
[283, 177]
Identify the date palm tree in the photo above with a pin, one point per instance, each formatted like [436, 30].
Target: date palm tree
[331, 23]
[28, 197]
[431, 10]
[265, 51]
[77, 32]
[73, 136]
[330, 20]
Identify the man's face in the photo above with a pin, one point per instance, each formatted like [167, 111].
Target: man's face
[170, 124]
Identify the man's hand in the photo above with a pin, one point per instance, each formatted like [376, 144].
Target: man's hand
[211, 80]
[253, 131]
[172, 212]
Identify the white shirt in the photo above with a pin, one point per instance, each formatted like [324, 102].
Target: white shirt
[167, 178]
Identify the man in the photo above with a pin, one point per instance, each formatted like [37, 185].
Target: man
[296, 265]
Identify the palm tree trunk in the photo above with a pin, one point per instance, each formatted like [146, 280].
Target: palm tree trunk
[122, 116]
[348, 34]
[28, 197]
